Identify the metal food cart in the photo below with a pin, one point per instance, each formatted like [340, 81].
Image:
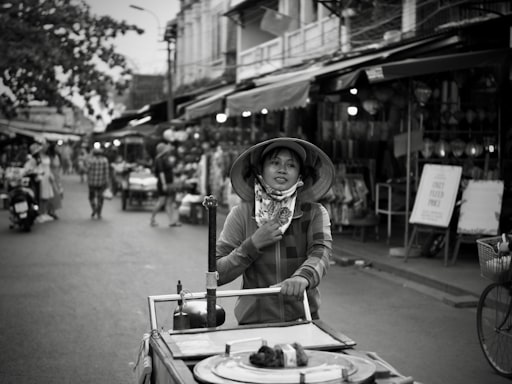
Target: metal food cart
[222, 355]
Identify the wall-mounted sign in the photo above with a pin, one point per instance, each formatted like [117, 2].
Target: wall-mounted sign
[481, 207]
[436, 195]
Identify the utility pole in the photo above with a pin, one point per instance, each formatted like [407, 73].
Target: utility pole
[170, 39]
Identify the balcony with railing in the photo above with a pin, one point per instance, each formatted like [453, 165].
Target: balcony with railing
[292, 48]
[369, 29]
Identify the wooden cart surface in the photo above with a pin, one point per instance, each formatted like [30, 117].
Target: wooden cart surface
[175, 353]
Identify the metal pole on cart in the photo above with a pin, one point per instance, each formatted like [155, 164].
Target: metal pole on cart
[210, 203]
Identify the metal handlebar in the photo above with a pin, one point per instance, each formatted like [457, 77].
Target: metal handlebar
[152, 300]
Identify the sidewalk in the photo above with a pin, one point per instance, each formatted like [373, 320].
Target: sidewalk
[458, 285]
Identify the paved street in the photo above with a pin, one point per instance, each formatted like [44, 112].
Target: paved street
[73, 301]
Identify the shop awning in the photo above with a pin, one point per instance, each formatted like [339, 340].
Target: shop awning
[291, 90]
[284, 94]
[209, 105]
[434, 64]
[21, 131]
[31, 130]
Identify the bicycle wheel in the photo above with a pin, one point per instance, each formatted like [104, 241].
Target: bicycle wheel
[494, 325]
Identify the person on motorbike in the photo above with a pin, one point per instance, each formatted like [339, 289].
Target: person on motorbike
[22, 203]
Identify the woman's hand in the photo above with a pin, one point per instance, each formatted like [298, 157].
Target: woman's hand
[294, 286]
[269, 233]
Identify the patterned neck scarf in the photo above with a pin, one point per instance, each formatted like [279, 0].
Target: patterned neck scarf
[271, 204]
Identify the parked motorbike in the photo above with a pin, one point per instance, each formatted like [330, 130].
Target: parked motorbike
[23, 208]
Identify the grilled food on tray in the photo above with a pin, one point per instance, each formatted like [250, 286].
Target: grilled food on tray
[281, 356]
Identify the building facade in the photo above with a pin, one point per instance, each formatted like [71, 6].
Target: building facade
[298, 64]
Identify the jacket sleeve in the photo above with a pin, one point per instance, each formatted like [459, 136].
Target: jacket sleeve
[235, 250]
[319, 247]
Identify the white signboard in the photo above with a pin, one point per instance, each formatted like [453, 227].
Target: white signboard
[436, 195]
[481, 207]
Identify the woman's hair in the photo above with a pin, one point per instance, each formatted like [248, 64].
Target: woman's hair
[274, 152]
[305, 171]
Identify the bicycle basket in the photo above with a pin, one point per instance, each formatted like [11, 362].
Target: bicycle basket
[493, 265]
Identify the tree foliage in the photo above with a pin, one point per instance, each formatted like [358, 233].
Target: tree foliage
[52, 50]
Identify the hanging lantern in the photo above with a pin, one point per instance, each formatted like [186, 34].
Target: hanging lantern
[169, 135]
[489, 144]
[371, 106]
[470, 115]
[383, 93]
[482, 114]
[458, 147]
[442, 149]
[428, 148]
[422, 93]
[474, 149]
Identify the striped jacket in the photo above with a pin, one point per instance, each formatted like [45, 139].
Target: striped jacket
[305, 250]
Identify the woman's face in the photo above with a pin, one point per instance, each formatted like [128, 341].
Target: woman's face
[281, 169]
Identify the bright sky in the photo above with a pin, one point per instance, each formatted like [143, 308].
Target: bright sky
[146, 53]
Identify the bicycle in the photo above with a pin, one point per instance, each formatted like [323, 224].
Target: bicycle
[494, 311]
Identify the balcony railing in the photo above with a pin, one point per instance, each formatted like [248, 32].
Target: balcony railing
[292, 48]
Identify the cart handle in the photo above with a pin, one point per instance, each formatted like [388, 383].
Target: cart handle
[152, 300]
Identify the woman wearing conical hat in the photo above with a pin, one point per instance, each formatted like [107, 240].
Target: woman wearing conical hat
[279, 235]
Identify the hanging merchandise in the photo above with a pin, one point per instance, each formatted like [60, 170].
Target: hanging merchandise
[371, 106]
[442, 148]
[428, 148]
[383, 93]
[458, 147]
[354, 201]
[422, 92]
[217, 172]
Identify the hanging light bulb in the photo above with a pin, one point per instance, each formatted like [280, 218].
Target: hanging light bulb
[352, 110]
[221, 118]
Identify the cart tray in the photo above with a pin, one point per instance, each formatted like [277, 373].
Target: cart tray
[323, 367]
[201, 343]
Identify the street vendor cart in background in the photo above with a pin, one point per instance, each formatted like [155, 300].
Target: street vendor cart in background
[202, 347]
[138, 186]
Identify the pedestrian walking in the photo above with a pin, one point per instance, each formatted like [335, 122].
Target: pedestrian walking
[81, 164]
[97, 179]
[166, 189]
[278, 235]
[66, 151]
[55, 202]
[39, 164]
